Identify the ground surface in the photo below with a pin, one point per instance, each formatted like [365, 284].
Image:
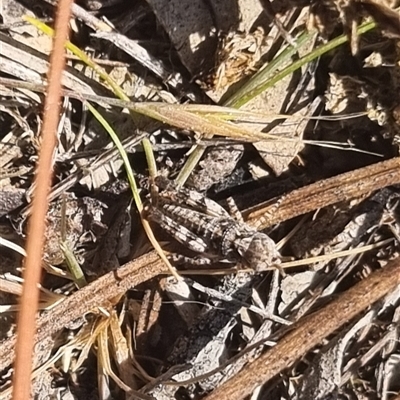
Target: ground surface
[320, 178]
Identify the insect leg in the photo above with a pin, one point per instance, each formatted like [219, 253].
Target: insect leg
[179, 232]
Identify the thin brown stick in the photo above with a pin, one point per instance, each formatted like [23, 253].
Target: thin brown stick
[309, 332]
[36, 229]
[342, 187]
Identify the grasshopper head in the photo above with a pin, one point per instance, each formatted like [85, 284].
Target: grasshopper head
[259, 251]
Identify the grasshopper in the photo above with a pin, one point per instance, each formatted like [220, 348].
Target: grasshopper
[205, 227]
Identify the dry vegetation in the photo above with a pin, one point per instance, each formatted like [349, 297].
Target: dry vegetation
[291, 108]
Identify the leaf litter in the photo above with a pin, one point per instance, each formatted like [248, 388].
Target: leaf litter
[164, 339]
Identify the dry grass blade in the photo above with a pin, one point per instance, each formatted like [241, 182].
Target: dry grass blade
[205, 119]
[344, 187]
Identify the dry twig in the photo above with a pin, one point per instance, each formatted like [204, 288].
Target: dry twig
[34, 247]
